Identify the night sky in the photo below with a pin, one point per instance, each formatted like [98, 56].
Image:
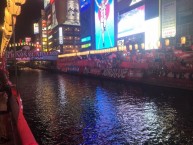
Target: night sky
[30, 13]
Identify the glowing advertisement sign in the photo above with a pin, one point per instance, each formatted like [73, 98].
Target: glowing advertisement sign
[73, 13]
[86, 19]
[36, 28]
[104, 24]
[152, 33]
[60, 36]
[168, 18]
[86, 39]
[86, 45]
[67, 12]
[132, 22]
[54, 20]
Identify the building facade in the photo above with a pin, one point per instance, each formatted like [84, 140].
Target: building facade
[102, 24]
[63, 21]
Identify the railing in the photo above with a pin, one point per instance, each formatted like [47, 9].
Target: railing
[23, 130]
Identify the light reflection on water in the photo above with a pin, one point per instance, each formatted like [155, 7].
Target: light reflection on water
[62, 109]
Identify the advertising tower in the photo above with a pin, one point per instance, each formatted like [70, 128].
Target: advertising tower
[65, 25]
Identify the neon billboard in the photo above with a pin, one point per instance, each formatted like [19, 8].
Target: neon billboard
[104, 24]
[132, 22]
[152, 39]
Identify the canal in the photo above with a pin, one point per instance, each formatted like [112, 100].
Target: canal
[72, 110]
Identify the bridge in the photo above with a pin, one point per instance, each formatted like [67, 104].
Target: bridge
[30, 55]
[32, 59]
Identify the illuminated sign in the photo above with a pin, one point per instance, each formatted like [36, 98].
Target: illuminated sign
[54, 20]
[86, 39]
[73, 13]
[152, 39]
[27, 39]
[31, 54]
[36, 28]
[134, 2]
[131, 22]
[86, 45]
[104, 24]
[60, 36]
[86, 21]
[168, 18]
[67, 11]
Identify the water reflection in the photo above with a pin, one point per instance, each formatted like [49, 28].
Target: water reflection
[63, 109]
[62, 91]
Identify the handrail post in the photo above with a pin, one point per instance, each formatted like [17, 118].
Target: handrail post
[15, 61]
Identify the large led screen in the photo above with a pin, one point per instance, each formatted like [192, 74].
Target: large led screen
[132, 22]
[104, 23]
[152, 33]
[86, 21]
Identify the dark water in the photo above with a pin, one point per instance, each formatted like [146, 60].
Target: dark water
[70, 110]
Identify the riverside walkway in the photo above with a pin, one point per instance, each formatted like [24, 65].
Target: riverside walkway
[8, 133]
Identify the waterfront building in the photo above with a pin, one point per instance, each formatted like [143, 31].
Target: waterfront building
[95, 25]
[134, 22]
[184, 24]
[63, 25]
